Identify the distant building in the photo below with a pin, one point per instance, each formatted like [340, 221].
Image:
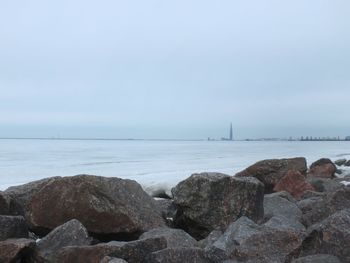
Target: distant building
[347, 138]
[231, 133]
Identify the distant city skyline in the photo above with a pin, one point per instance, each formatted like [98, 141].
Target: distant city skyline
[174, 69]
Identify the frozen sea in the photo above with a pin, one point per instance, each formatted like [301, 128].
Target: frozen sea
[154, 164]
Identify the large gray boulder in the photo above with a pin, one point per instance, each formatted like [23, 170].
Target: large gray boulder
[331, 236]
[174, 237]
[133, 252]
[13, 227]
[208, 201]
[245, 241]
[319, 258]
[269, 172]
[16, 250]
[110, 208]
[275, 205]
[317, 209]
[72, 233]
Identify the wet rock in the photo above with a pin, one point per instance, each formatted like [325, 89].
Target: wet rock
[210, 239]
[210, 201]
[269, 172]
[112, 260]
[319, 258]
[245, 241]
[331, 236]
[317, 209]
[323, 168]
[132, 252]
[340, 162]
[275, 205]
[177, 255]
[294, 183]
[110, 208]
[16, 250]
[174, 237]
[13, 227]
[72, 233]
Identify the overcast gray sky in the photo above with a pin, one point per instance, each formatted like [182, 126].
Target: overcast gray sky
[174, 69]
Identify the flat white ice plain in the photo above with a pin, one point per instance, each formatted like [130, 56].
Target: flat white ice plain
[154, 164]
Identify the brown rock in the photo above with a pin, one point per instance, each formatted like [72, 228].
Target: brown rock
[294, 183]
[132, 252]
[269, 172]
[110, 208]
[13, 227]
[323, 168]
[16, 250]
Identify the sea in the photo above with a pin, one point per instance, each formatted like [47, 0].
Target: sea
[154, 164]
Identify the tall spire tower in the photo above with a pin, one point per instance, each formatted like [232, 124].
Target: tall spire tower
[231, 132]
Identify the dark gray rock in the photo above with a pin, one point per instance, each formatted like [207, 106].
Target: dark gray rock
[275, 205]
[112, 260]
[347, 163]
[132, 252]
[340, 162]
[209, 201]
[285, 222]
[110, 208]
[16, 250]
[311, 194]
[317, 209]
[210, 239]
[174, 237]
[72, 233]
[178, 255]
[320, 258]
[285, 195]
[324, 184]
[167, 209]
[331, 236]
[245, 241]
[323, 168]
[269, 172]
[13, 227]
[4, 204]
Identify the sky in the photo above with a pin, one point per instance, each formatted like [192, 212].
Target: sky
[181, 69]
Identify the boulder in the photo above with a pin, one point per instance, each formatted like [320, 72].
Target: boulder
[323, 184]
[132, 252]
[294, 183]
[331, 236]
[177, 255]
[277, 206]
[319, 258]
[72, 233]
[340, 162]
[112, 260]
[210, 239]
[245, 241]
[317, 209]
[110, 208]
[310, 194]
[347, 163]
[269, 172]
[283, 194]
[16, 250]
[174, 237]
[209, 201]
[13, 227]
[4, 204]
[323, 168]
[282, 222]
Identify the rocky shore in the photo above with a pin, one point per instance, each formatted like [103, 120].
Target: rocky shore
[275, 211]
